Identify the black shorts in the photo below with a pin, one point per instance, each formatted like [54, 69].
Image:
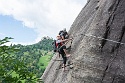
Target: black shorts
[64, 58]
[61, 51]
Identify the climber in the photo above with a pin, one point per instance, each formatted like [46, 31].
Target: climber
[63, 33]
[62, 49]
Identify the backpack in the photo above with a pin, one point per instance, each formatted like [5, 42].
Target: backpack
[54, 46]
[64, 33]
[61, 33]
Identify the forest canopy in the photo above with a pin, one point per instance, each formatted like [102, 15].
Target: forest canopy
[24, 64]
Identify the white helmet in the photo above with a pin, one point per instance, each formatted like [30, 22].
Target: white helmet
[64, 29]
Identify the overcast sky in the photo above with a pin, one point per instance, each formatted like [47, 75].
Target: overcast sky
[27, 21]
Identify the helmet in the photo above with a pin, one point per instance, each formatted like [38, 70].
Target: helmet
[64, 29]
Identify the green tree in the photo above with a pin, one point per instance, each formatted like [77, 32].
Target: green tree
[31, 54]
[13, 70]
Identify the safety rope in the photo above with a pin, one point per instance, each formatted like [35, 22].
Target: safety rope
[101, 38]
[95, 37]
[105, 39]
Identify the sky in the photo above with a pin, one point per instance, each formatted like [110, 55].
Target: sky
[27, 21]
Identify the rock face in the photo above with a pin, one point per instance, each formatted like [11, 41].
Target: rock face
[94, 59]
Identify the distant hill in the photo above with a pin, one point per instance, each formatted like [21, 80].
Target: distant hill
[36, 56]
